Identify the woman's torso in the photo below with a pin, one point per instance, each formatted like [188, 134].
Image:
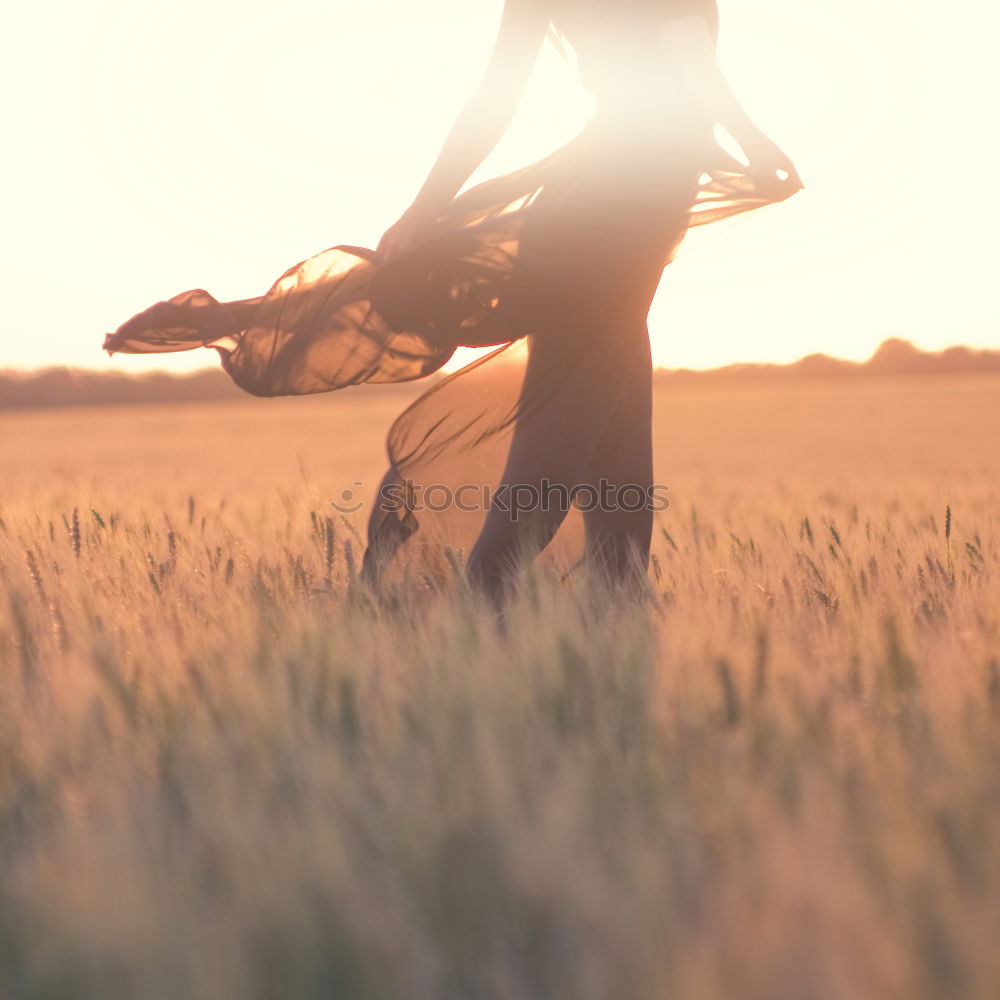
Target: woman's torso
[622, 60]
[650, 137]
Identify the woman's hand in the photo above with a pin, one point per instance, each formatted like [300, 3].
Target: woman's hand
[413, 226]
[770, 166]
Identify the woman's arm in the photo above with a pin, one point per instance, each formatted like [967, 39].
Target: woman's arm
[481, 122]
[691, 49]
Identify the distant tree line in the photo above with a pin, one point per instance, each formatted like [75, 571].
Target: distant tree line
[78, 387]
[75, 387]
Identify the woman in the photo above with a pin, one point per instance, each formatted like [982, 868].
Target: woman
[563, 256]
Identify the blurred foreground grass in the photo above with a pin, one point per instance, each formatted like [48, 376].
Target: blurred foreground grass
[226, 772]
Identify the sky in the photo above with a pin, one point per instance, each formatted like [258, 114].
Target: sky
[211, 144]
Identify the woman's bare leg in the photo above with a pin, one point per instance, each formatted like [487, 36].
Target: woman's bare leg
[618, 532]
[574, 386]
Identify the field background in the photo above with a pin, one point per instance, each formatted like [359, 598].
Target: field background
[226, 772]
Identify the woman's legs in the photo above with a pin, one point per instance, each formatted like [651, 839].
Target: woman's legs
[585, 415]
[587, 397]
[619, 528]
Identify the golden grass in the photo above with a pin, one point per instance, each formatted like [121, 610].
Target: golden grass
[225, 773]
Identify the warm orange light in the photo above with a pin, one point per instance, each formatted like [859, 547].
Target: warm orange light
[160, 148]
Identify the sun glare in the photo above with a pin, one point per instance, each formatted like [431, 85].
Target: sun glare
[272, 143]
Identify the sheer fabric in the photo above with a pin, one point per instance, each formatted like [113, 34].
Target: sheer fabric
[555, 265]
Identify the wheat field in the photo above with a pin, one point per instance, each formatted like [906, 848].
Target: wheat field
[227, 771]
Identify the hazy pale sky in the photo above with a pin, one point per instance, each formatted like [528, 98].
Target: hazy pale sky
[153, 148]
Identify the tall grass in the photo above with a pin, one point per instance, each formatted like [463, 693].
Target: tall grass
[229, 771]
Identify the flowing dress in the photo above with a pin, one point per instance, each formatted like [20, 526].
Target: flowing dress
[554, 265]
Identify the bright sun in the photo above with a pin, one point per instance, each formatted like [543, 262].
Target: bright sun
[212, 144]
